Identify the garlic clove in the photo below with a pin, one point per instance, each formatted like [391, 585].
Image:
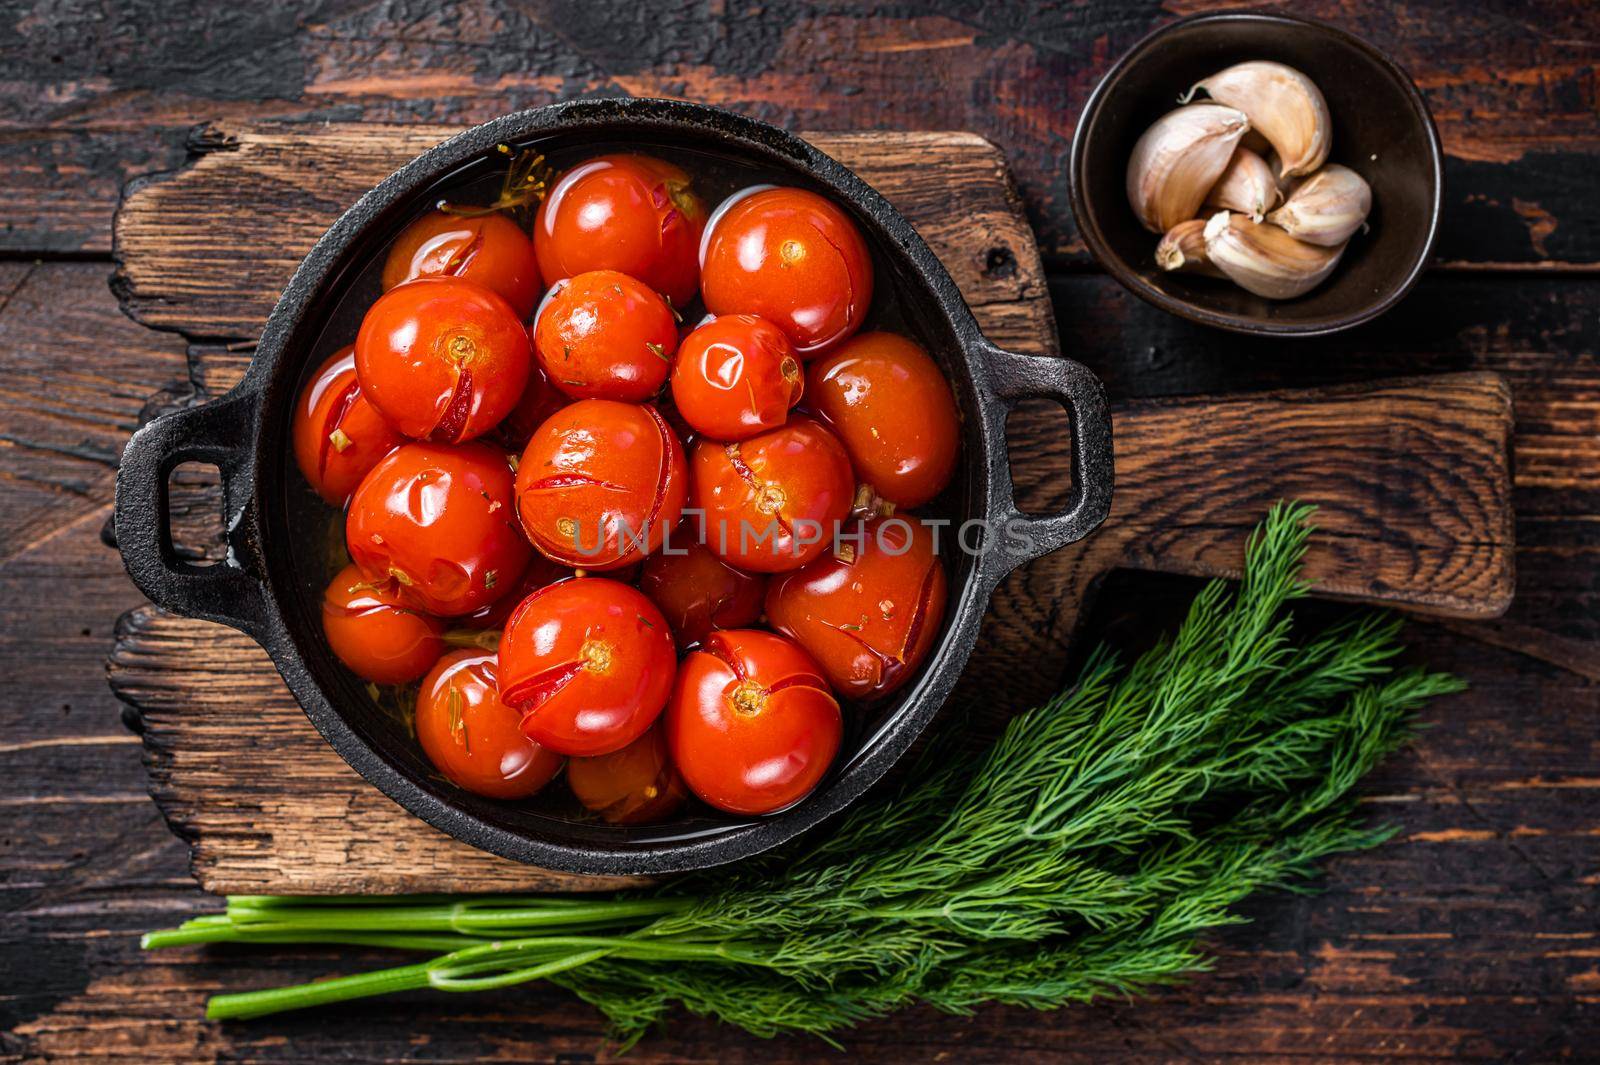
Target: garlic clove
[1177, 161]
[1263, 259]
[1326, 208]
[1284, 106]
[1184, 248]
[1247, 185]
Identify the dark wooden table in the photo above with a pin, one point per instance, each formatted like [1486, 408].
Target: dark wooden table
[1475, 935]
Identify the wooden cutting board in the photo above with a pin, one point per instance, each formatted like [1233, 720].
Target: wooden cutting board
[1411, 478]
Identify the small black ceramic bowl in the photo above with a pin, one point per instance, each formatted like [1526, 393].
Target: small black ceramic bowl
[1381, 129]
[271, 584]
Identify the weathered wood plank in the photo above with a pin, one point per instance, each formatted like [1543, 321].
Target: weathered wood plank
[222, 278]
[111, 92]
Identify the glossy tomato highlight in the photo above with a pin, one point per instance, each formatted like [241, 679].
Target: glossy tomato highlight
[752, 725]
[440, 520]
[589, 664]
[375, 632]
[894, 412]
[870, 613]
[442, 359]
[600, 484]
[791, 257]
[698, 592]
[489, 250]
[472, 737]
[338, 435]
[603, 335]
[632, 213]
[632, 786]
[773, 501]
[736, 376]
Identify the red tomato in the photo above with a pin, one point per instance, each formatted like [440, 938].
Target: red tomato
[752, 725]
[589, 663]
[736, 376]
[439, 519]
[894, 412]
[698, 592]
[603, 335]
[871, 616]
[772, 502]
[791, 257]
[633, 786]
[624, 212]
[443, 359]
[600, 484]
[540, 399]
[338, 435]
[540, 572]
[472, 737]
[373, 631]
[490, 250]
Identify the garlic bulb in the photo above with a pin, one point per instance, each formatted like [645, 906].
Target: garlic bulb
[1326, 208]
[1284, 106]
[1247, 186]
[1263, 259]
[1184, 248]
[1177, 161]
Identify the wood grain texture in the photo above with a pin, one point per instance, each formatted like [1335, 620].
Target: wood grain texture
[108, 91]
[222, 279]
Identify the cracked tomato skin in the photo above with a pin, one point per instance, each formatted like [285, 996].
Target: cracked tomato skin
[736, 376]
[698, 592]
[793, 258]
[632, 213]
[600, 484]
[871, 617]
[442, 359]
[773, 501]
[472, 737]
[603, 335]
[331, 404]
[752, 725]
[375, 632]
[588, 663]
[894, 412]
[440, 520]
[636, 785]
[490, 250]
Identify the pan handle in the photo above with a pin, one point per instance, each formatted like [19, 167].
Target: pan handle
[218, 433]
[1015, 537]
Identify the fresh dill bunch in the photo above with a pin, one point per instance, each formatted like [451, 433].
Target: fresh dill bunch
[1088, 851]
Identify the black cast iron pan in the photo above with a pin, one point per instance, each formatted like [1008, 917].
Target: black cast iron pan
[263, 587]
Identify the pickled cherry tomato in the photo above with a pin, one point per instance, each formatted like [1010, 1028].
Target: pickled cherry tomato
[472, 737]
[589, 664]
[490, 250]
[698, 592]
[442, 358]
[633, 786]
[752, 725]
[630, 213]
[868, 613]
[540, 399]
[791, 257]
[736, 376]
[338, 435]
[894, 412]
[603, 335]
[600, 484]
[375, 632]
[440, 520]
[539, 573]
[772, 502]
